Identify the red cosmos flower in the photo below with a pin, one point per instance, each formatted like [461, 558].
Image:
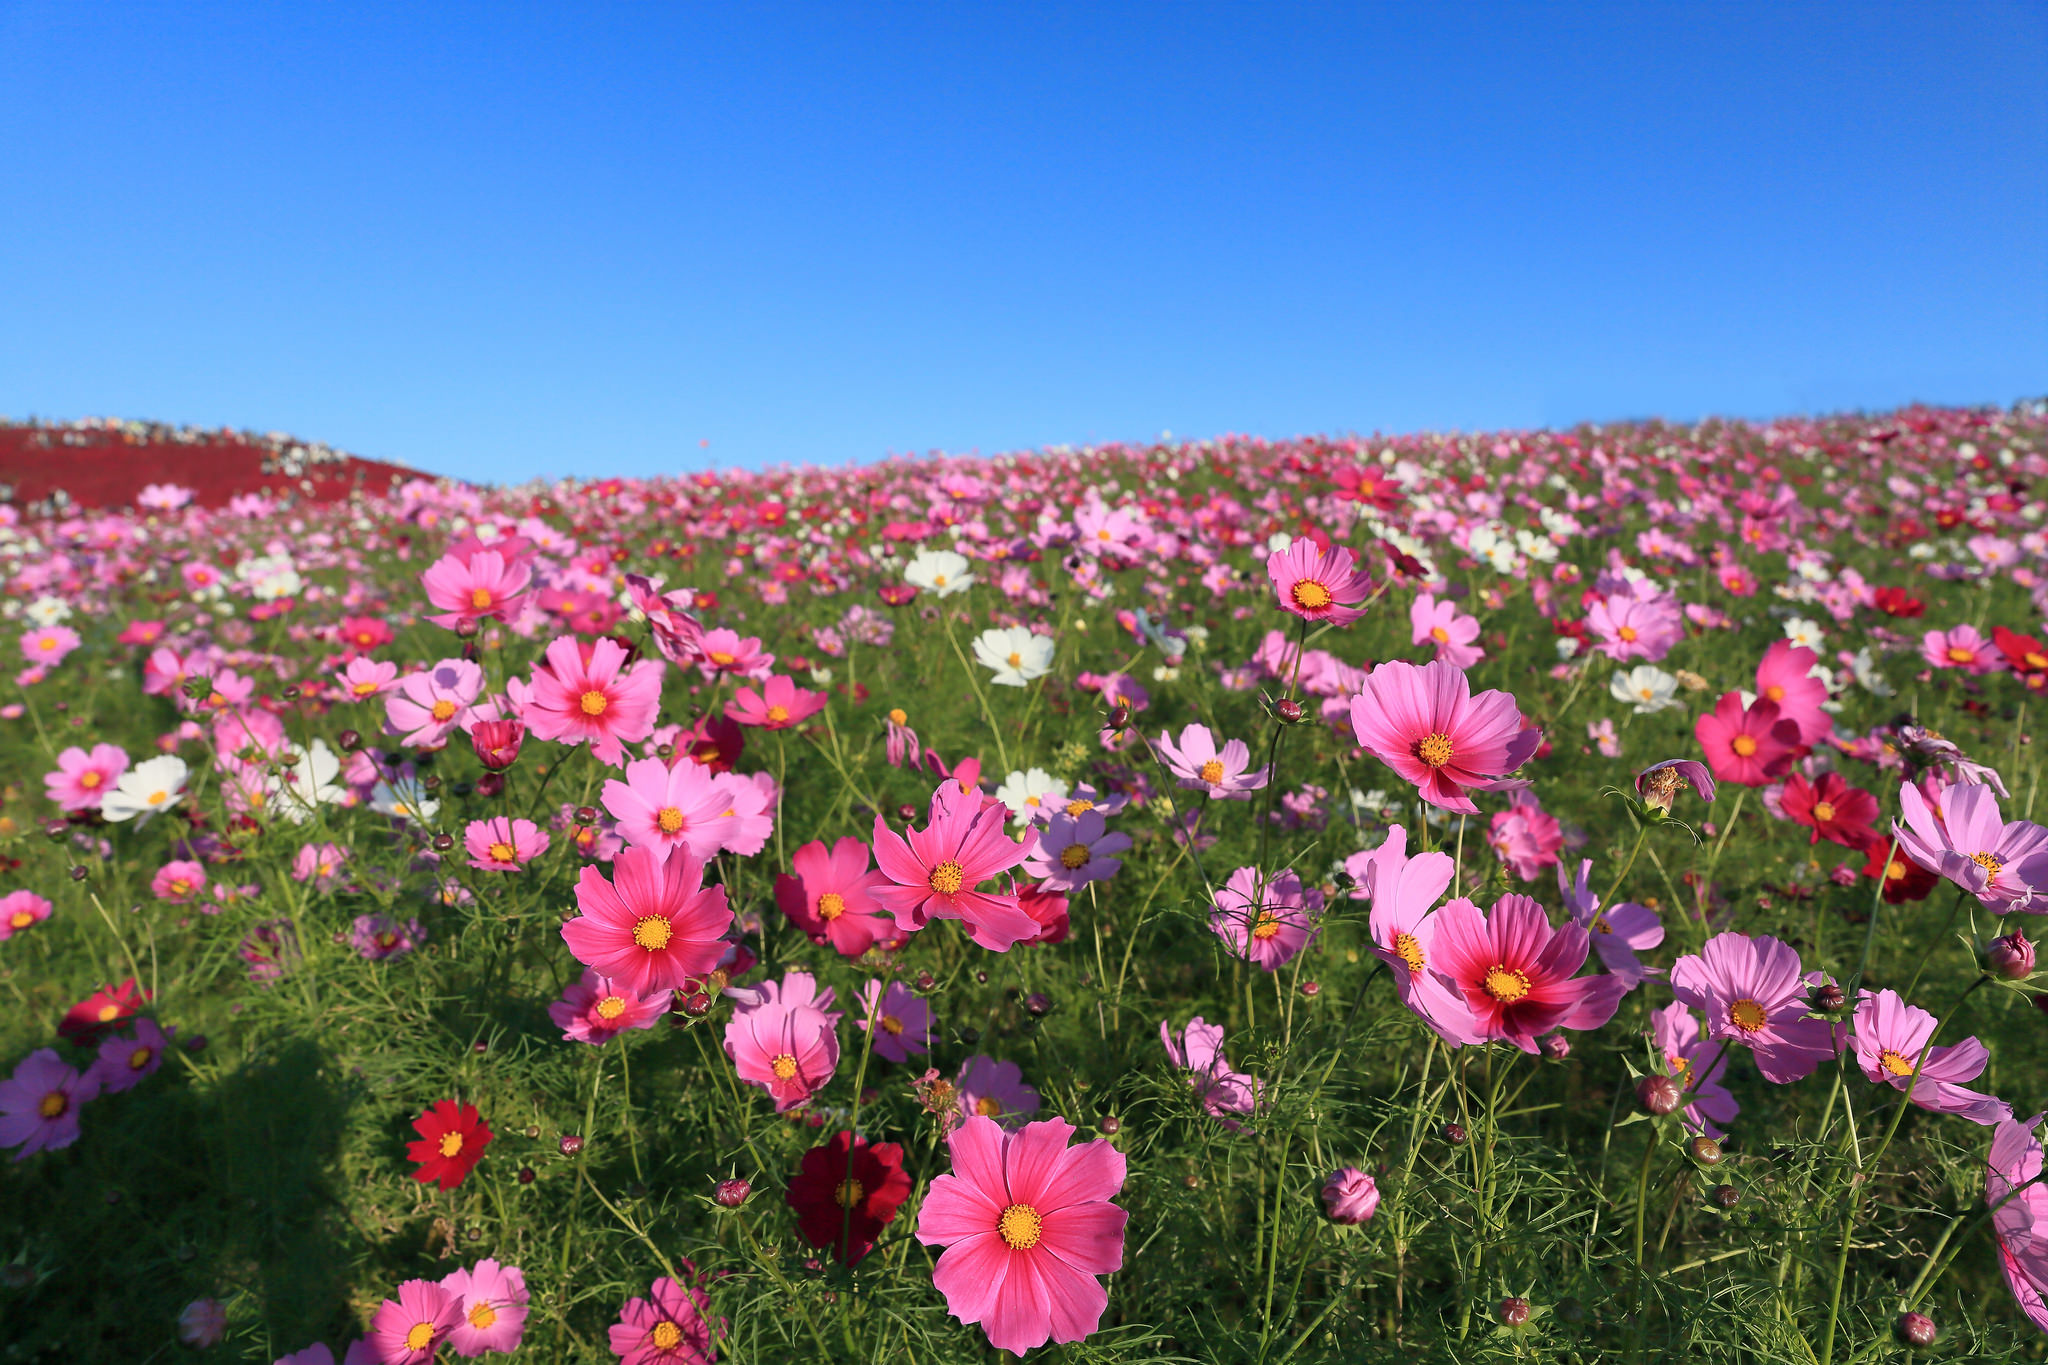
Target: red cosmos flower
[1832, 809]
[1904, 879]
[88, 1022]
[897, 594]
[844, 1210]
[1897, 602]
[497, 742]
[2027, 656]
[713, 742]
[1748, 747]
[452, 1140]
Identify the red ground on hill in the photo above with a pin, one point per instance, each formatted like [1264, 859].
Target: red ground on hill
[102, 468]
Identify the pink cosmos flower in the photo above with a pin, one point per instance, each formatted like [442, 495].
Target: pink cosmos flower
[1441, 624]
[596, 1009]
[409, 1329]
[1424, 723]
[1202, 767]
[2019, 1218]
[365, 678]
[320, 864]
[787, 1042]
[376, 937]
[492, 1299]
[1889, 1037]
[496, 743]
[750, 803]
[994, 1090]
[595, 697]
[1027, 1225]
[1073, 851]
[656, 927]
[1266, 921]
[39, 1104]
[1968, 841]
[1517, 973]
[503, 844]
[1350, 1196]
[1635, 628]
[1752, 993]
[778, 705]
[1785, 676]
[178, 882]
[125, 1062]
[1317, 584]
[668, 1327]
[424, 709]
[47, 646]
[1675, 1032]
[934, 872]
[1403, 927]
[723, 651]
[1961, 647]
[902, 1020]
[677, 633]
[831, 897]
[165, 670]
[83, 778]
[19, 910]
[1748, 746]
[660, 807]
[1223, 1093]
[1525, 836]
[1617, 934]
[470, 583]
[363, 1352]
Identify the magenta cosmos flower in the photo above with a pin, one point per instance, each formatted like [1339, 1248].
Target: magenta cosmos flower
[778, 705]
[1266, 921]
[594, 696]
[1961, 647]
[723, 651]
[426, 707]
[654, 926]
[84, 777]
[376, 937]
[47, 646]
[1319, 585]
[596, 1009]
[39, 1104]
[668, 1327]
[1749, 745]
[492, 1300]
[660, 807]
[1675, 1032]
[1203, 767]
[19, 910]
[1968, 841]
[1785, 676]
[178, 881]
[1517, 973]
[2019, 1218]
[1076, 850]
[1350, 1196]
[831, 897]
[1424, 723]
[1223, 1093]
[1441, 624]
[1404, 892]
[934, 872]
[987, 1088]
[1027, 1226]
[787, 1041]
[902, 1020]
[503, 844]
[1618, 934]
[409, 1329]
[1752, 993]
[124, 1062]
[470, 583]
[1889, 1036]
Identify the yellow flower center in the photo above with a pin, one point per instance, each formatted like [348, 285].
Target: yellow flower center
[420, 1337]
[1679, 1067]
[1743, 744]
[366, 689]
[1079, 806]
[1015, 659]
[1958, 655]
[989, 1107]
[451, 1144]
[831, 906]
[611, 1007]
[1440, 635]
[89, 781]
[594, 702]
[109, 1013]
[670, 818]
[891, 1024]
[651, 932]
[140, 1058]
[784, 1067]
[1074, 856]
[1506, 985]
[897, 715]
[443, 709]
[850, 1193]
[1747, 1015]
[722, 658]
[1627, 633]
[1310, 595]
[1895, 1063]
[21, 919]
[1267, 925]
[482, 1315]
[2036, 660]
[777, 715]
[157, 798]
[666, 1336]
[947, 877]
[1434, 749]
[479, 598]
[53, 1105]
[48, 644]
[1409, 949]
[1990, 862]
[1019, 1227]
[1775, 692]
[1823, 811]
[1212, 771]
[503, 852]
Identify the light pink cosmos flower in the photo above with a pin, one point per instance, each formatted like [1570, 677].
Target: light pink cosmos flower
[492, 1299]
[668, 1327]
[777, 706]
[39, 1104]
[1752, 992]
[595, 697]
[83, 778]
[2019, 1214]
[470, 583]
[1350, 1196]
[1223, 1093]
[1785, 676]
[409, 1329]
[1617, 934]
[320, 864]
[1675, 1032]
[1961, 647]
[165, 670]
[1319, 585]
[1525, 836]
[1027, 1225]
[503, 844]
[1517, 973]
[2004, 865]
[125, 1061]
[596, 1009]
[365, 678]
[750, 802]
[1201, 766]
[902, 1020]
[47, 646]
[935, 872]
[1073, 851]
[1441, 624]
[19, 910]
[1266, 920]
[1634, 627]
[787, 1040]
[654, 926]
[425, 708]
[661, 807]
[178, 881]
[831, 897]
[723, 651]
[994, 1090]
[1403, 926]
[1889, 1037]
[1424, 723]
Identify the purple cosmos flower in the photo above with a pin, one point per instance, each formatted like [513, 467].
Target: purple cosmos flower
[1889, 1037]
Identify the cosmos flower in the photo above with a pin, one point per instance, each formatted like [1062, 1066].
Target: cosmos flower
[85, 777]
[940, 572]
[936, 872]
[492, 1299]
[1224, 1094]
[1267, 921]
[902, 1020]
[147, 790]
[654, 925]
[409, 1329]
[1224, 773]
[1424, 723]
[779, 704]
[1015, 655]
[994, 1090]
[595, 1009]
[1752, 992]
[19, 910]
[1890, 1037]
[786, 1041]
[503, 844]
[1831, 808]
[668, 1327]
[845, 1192]
[2003, 864]
[831, 896]
[452, 1140]
[39, 1103]
[598, 698]
[1073, 851]
[1675, 1032]
[1747, 745]
[1442, 625]
[1319, 585]
[1517, 973]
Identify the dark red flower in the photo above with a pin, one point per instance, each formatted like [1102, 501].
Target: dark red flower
[88, 1022]
[896, 594]
[1904, 880]
[1832, 809]
[452, 1140]
[844, 1210]
[497, 742]
[1898, 602]
[715, 742]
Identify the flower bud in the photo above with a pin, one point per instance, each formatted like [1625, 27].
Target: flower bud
[1726, 1196]
[1350, 1196]
[1916, 1330]
[1111, 1124]
[443, 842]
[348, 741]
[1514, 1311]
[497, 742]
[586, 816]
[697, 1004]
[1828, 997]
[733, 1193]
[2011, 957]
[570, 1144]
[1289, 711]
[1120, 716]
[54, 830]
[1454, 1133]
[1659, 1094]
[1555, 1046]
[526, 1175]
[1706, 1151]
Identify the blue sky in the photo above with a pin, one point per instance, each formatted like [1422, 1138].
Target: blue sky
[517, 239]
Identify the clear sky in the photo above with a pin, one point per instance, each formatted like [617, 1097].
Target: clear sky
[504, 240]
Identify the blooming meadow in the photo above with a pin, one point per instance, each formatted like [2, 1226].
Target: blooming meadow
[1557, 895]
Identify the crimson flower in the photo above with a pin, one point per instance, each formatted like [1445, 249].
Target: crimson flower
[1748, 746]
[1832, 809]
[842, 1205]
[452, 1140]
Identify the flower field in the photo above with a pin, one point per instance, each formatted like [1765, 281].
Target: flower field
[1554, 896]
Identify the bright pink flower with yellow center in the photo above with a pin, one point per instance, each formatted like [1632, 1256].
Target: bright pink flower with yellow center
[831, 897]
[503, 844]
[787, 1041]
[46, 647]
[19, 910]
[1443, 626]
[1752, 992]
[655, 926]
[1317, 584]
[1424, 723]
[936, 872]
[1891, 1040]
[493, 1299]
[83, 778]
[597, 1009]
[1518, 974]
[409, 1329]
[1746, 745]
[425, 708]
[663, 807]
[590, 693]
[777, 706]
[470, 583]
[1404, 892]
[1785, 676]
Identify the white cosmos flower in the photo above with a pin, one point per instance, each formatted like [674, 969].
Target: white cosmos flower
[1646, 688]
[1803, 633]
[1864, 665]
[310, 782]
[939, 571]
[405, 798]
[1027, 793]
[151, 786]
[1016, 655]
[48, 611]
